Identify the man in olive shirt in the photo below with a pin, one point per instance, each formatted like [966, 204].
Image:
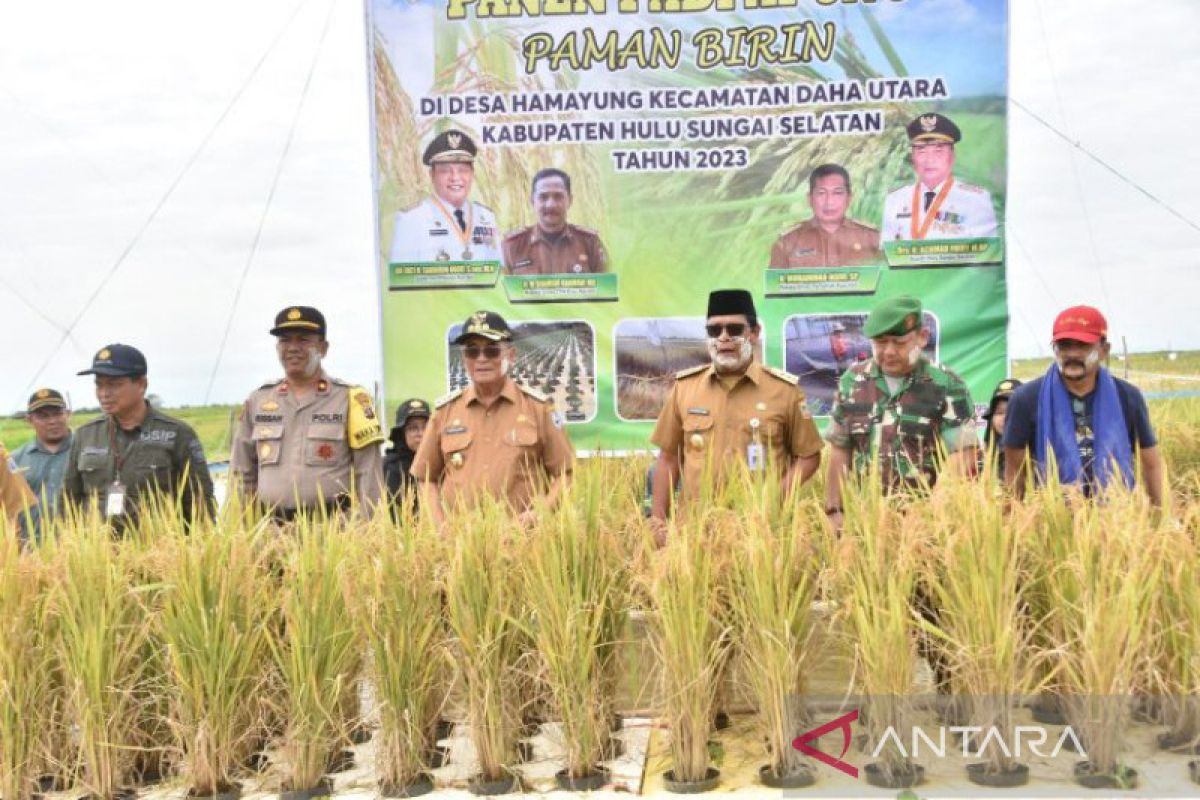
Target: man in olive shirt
[43, 461]
[495, 437]
[829, 238]
[734, 410]
[309, 441]
[553, 246]
[133, 450]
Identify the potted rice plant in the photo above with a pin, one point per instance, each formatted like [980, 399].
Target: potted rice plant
[1179, 621]
[397, 604]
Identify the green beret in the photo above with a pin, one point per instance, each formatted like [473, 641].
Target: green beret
[895, 316]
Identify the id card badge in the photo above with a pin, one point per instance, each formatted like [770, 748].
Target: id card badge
[114, 504]
[755, 458]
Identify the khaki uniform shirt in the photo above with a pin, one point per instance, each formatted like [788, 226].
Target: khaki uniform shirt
[809, 245]
[15, 495]
[507, 449]
[576, 249]
[302, 453]
[703, 421]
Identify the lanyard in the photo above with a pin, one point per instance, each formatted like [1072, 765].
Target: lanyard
[118, 455]
[921, 229]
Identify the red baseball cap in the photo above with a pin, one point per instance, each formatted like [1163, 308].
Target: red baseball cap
[1081, 323]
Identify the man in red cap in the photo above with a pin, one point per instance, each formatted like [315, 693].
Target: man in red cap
[1080, 418]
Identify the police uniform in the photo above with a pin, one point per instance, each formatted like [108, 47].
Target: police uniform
[530, 251]
[509, 449]
[898, 426]
[160, 454]
[434, 230]
[953, 209]
[810, 245]
[301, 453]
[712, 421]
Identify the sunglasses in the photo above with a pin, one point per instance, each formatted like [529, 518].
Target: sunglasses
[489, 351]
[735, 329]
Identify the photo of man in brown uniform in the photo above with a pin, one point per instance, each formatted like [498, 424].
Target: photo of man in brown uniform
[495, 437]
[553, 246]
[829, 238]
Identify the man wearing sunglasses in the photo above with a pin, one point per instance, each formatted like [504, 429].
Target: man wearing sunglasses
[898, 411]
[496, 437]
[937, 205]
[307, 443]
[732, 411]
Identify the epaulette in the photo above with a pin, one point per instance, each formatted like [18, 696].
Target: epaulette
[446, 398]
[516, 232]
[791, 230]
[683, 373]
[862, 225]
[534, 393]
[271, 384]
[970, 187]
[786, 377]
[339, 382]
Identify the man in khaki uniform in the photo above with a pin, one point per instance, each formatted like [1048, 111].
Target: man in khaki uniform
[15, 494]
[734, 410]
[829, 238]
[309, 441]
[495, 437]
[553, 246]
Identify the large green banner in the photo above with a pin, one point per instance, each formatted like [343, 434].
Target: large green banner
[591, 169]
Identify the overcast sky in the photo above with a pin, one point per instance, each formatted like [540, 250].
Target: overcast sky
[103, 106]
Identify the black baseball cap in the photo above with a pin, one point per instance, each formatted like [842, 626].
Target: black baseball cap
[117, 361]
[45, 398]
[487, 324]
[299, 319]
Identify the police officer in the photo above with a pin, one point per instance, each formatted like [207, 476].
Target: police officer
[733, 410]
[937, 205]
[307, 442]
[496, 437]
[895, 409]
[15, 494]
[133, 449]
[43, 461]
[553, 245]
[829, 238]
[411, 418]
[447, 225]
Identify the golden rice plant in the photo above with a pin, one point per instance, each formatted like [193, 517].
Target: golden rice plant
[317, 651]
[396, 599]
[101, 632]
[215, 624]
[690, 635]
[975, 581]
[878, 557]
[572, 569]
[26, 667]
[773, 585]
[1103, 590]
[483, 604]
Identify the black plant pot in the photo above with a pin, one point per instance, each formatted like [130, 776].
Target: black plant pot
[478, 786]
[878, 776]
[422, 785]
[979, 775]
[587, 783]
[799, 779]
[708, 783]
[437, 756]
[1125, 778]
[227, 793]
[340, 761]
[322, 789]
[1178, 742]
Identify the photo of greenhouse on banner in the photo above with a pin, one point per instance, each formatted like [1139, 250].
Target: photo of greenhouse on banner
[591, 169]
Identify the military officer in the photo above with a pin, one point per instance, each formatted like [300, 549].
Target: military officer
[307, 442]
[937, 205]
[829, 238]
[895, 409]
[133, 449]
[43, 461]
[553, 245]
[733, 410]
[447, 225]
[15, 494]
[495, 437]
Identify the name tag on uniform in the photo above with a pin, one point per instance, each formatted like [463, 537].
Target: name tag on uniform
[438, 232]
[700, 412]
[456, 429]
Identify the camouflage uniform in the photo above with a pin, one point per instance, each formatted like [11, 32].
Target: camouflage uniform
[901, 431]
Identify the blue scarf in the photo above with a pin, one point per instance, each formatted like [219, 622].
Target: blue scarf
[1056, 431]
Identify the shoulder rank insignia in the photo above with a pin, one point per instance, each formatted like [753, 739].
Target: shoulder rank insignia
[534, 393]
[683, 373]
[446, 398]
[786, 377]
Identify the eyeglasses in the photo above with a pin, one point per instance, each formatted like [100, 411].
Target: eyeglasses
[489, 351]
[735, 329]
